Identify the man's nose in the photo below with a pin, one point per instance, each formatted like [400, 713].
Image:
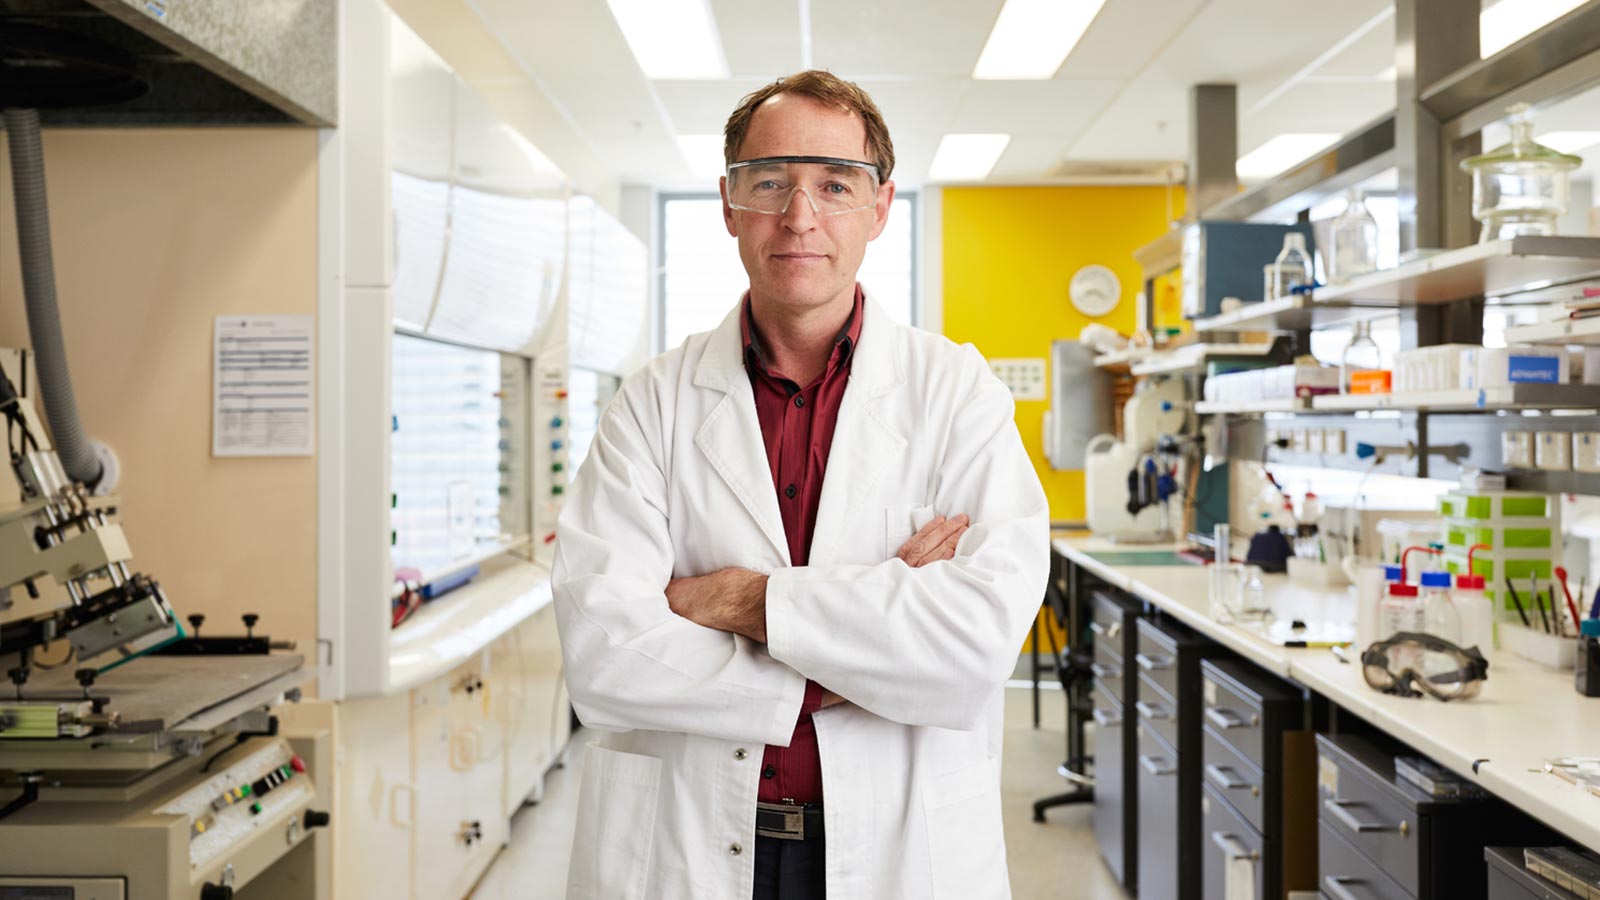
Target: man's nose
[801, 214]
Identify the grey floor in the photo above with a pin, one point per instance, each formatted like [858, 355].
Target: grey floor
[1054, 860]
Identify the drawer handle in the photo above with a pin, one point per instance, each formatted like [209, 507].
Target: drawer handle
[1104, 673]
[1153, 713]
[1105, 719]
[1098, 629]
[1151, 664]
[1232, 848]
[1227, 720]
[1336, 887]
[1338, 809]
[1219, 775]
[1157, 766]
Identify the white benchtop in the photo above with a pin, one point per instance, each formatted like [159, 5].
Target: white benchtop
[1524, 715]
[444, 633]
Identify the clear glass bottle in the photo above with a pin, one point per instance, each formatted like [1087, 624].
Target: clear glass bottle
[1353, 240]
[1360, 355]
[1522, 187]
[1253, 596]
[1224, 581]
[1292, 268]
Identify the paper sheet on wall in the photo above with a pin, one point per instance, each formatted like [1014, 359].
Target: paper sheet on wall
[1240, 878]
[262, 397]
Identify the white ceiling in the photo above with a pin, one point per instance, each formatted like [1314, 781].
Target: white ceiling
[1122, 95]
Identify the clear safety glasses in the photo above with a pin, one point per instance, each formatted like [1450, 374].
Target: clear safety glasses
[1411, 664]
[834, 186]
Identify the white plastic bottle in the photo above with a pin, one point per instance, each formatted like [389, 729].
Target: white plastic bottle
[1477, 615]
[1439, 615]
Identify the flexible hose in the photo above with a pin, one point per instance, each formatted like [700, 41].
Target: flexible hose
[39, 291]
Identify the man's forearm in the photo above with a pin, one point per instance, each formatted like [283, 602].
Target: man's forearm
[732, 600]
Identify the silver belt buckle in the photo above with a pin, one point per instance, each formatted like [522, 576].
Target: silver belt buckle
[794, 821]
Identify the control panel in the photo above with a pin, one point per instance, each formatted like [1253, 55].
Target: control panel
[552, 441]
[263, 789]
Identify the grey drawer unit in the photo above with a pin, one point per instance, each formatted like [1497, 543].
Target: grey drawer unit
[1259, 757]
[1170, 758]
[1346, 873]
[1161, 820]
[1510, 880]
[1114, 784]
[1116, 772]
[1230, 845]
[1157, 711]
[1431, 847]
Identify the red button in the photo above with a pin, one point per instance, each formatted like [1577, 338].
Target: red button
[298, 764]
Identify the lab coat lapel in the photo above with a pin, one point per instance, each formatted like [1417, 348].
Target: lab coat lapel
[730, 436]
[864, 445]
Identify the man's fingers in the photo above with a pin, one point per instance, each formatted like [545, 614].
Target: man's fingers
[919, 542]
[928, 543]
[944, 550]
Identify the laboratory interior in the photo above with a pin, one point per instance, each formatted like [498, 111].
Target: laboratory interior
[347, 358]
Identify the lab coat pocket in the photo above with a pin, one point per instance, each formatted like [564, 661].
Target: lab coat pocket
[616, 824]
[966, 839]
[903, 522]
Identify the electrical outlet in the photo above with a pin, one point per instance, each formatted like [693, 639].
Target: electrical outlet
[1586, 451]
[1333, 441]
[1025, 377]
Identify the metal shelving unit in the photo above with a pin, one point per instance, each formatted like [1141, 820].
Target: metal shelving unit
[1565, 331]
[1513, 397]
[1298, 313]
[1296, 404]
[1195, 357]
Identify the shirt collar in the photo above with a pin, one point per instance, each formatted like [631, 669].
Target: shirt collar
[755, 347]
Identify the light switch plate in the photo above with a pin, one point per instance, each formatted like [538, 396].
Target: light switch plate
[1024, 376]
[1586, 451]
[1516, 449]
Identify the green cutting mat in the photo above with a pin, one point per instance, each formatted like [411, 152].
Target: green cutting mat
[1140, 558]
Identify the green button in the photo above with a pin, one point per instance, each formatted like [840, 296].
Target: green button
[255, 808]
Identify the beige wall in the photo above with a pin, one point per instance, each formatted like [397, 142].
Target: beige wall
[156, 232]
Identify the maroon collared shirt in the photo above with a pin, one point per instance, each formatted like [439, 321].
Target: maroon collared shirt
[797, 428]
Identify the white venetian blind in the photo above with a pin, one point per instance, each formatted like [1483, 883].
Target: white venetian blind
[703, 277]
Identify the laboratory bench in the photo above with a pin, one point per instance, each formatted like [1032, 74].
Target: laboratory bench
[1498, 740]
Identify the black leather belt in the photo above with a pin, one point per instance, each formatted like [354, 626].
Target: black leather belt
[789, 821]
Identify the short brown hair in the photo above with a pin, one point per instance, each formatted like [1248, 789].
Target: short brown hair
[827, 88]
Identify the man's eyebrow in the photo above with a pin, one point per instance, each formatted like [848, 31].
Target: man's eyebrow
[846, 170]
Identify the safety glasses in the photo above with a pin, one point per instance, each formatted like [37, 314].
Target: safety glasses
[1411, 664]
[833, 186]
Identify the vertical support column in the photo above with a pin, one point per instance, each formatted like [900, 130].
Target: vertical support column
[1213, 145]
[1432, 39]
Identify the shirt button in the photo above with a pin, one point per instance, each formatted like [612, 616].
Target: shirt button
[799, 401]
[735, 849]
[769, 773]
[790, 492]
[740, 753]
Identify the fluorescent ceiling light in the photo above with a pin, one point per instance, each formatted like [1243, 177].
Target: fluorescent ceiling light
[704, 153]
[1509, 21]
[1031, 38]
[1280, 153]
[1569, 141]
[672, 38]
[967, 157]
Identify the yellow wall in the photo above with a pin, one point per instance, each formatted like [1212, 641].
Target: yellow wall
[1009, 253]
[156, 232]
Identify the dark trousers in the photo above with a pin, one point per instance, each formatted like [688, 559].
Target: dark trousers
[789, 870]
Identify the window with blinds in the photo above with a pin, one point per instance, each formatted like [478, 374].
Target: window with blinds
[702, 277]
[451, 452]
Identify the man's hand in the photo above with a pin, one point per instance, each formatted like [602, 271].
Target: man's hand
[732, 600]
[936, 541]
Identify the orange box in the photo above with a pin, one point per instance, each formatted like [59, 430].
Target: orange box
[1371, 382]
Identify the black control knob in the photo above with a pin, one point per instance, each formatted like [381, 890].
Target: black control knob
[216, 892]
[85, 679]
[195, 621]
[316, 819]
[19, 676]
[250, 620]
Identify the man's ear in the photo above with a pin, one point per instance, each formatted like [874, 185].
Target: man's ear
[881, 209]
[727, 211]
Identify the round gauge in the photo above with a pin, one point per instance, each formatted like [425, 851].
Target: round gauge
[1095, 290]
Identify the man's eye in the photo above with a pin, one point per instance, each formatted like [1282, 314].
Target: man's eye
[768, 185]
[837, 189]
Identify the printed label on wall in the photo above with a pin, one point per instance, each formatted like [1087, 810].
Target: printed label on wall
[262, 400]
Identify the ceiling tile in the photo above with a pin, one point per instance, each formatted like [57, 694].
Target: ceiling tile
[901, 38]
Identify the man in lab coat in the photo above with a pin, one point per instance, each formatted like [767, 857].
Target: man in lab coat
[798, 678]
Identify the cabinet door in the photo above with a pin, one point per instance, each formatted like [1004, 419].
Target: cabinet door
[522, 663]
[461, 820]
[376, 816]
[1158, 816]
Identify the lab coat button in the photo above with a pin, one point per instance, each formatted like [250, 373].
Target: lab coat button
[740, 753]
[735, 849]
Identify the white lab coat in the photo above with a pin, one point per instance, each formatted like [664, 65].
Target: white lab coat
[677, 483]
